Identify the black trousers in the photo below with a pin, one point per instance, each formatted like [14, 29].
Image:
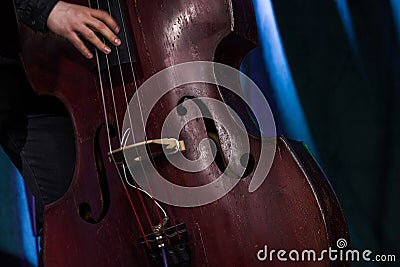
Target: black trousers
[37, 135]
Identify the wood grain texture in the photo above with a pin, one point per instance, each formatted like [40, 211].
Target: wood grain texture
[295, 208]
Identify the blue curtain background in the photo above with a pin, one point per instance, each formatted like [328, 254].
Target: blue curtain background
[17, 242]
[331, 70]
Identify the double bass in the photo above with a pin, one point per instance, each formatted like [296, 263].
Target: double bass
[108, 217]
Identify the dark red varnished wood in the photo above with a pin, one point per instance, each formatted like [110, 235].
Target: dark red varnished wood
[295, 208]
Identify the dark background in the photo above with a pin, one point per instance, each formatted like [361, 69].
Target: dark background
[349, 88]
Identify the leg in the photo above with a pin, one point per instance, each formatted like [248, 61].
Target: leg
[37, 135]
[43, 149]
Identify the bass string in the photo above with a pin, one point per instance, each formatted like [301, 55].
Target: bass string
[157, 205]
[140, 94]
[124, 30]
[109, 138]
[135, 89]
[110, 147]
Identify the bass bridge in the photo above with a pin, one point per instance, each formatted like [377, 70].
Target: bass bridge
[169, 244]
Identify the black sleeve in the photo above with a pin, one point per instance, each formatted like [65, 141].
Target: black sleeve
[34, 13]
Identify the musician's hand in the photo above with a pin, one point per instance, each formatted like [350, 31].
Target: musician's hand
[74, 21]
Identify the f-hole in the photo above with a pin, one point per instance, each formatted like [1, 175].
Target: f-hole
[85, 210]
[212, 134]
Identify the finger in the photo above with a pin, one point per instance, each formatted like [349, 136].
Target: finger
[106, 19]
[89, 35]
[104, 30]
[77, 42]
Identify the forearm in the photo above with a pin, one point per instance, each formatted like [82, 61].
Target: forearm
[34, 13]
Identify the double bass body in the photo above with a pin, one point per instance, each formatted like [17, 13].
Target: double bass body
[96, 224]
